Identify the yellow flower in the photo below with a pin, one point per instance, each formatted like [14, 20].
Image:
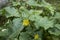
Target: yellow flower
[26, 22]
[36, 36]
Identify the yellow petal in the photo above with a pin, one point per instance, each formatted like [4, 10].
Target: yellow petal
[26, 22]
[36, 36]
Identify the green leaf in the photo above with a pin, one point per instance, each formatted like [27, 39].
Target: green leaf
[58, 26]
[24, 36]
[16, 3]
[54, 31]
[11, 11]
[33, 3]
[33, 14]
[44, 22]
[49, 7]
[24, 12]
[4, 32]
[17, 24]
[57, 15]
[17, 27]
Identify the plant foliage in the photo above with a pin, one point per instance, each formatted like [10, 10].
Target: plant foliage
[29, 20]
